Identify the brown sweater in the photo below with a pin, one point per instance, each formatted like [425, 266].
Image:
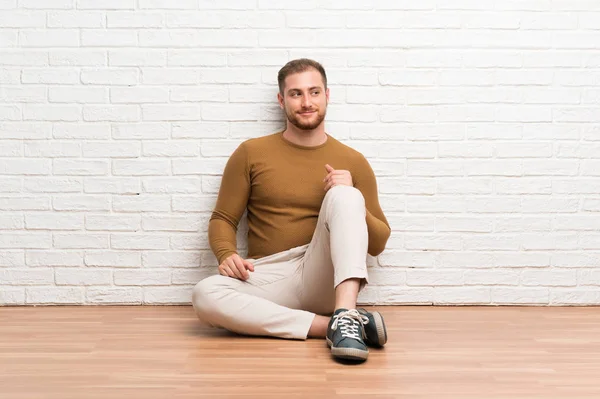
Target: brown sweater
[281, 184]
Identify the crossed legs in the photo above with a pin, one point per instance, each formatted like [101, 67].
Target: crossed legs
[289, 293]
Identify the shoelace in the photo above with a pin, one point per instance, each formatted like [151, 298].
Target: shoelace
[349, 323]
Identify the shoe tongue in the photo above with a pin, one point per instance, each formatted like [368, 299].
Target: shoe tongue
[340, 310]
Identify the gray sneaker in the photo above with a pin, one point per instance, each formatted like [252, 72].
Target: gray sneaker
[375, 331]
[346, 333]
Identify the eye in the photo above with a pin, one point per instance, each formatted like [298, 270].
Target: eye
[316, 92]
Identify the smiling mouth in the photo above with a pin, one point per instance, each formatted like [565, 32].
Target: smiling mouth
[307, 112]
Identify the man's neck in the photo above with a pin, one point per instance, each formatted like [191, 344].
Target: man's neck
[306, 138]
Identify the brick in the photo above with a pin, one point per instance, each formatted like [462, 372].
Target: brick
[77, 57]
[57, 113]
[551, 241]
[10, 185]
[212, 166]
[170, 112]
[83, 276]
[75, 19]
[76, 167]
[24, 203]
[140, 167]
[137, 58]
[88, 131]
[491, 242]
[112, 185]
[52, 185]
[172, 185]
[431, 277]
[49, 221]
[521, 224]
[550, 168]
[113, 222]
[549, 278]
[114, 295]
[174, 223]
[464, 186]
[22, 19]
[141, 203]
[406, 186]
[111, 150]
[520, 296]
[170, 295]
[106, 5]
[54, 295]
[203, 203]
[532, 204]
[111, 258]
[49, 38]
[143, 277]
[10, 113]
[465, 150]
[139, 241]
[46, 4]
[81, 203]
[11, 149]
[112, 113]
[574, 296]
[459, 295]
[54, 257]
[170, 149]
[80, 240]
[78, 95]
[464, 259]
[24, 58]
[11, 258]
[493, 205]
[109, 38]
[157, 130]
[406, 295]
[11, 222]
[153, 259]
[110, 76]
[134, 19]
[491, 277]
[12, 295]
[436, 242]
[25, 240]
[463, 224]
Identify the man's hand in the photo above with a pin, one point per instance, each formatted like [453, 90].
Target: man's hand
[236, 267]
[337, 178]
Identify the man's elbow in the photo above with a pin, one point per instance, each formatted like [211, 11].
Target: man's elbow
[377, 247]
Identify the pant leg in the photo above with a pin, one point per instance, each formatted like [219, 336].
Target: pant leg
[265, 304]
[337, 251]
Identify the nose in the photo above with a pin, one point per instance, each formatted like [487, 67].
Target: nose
[305, 101]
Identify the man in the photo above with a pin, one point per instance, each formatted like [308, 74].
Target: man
[313, 214]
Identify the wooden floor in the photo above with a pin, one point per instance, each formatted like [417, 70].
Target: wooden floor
[433, 352]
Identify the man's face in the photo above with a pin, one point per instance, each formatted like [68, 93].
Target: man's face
[304, 99]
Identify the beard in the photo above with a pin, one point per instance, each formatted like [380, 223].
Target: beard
[305, 124]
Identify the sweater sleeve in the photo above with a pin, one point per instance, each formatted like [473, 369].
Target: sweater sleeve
[231, 204]
[377, 225]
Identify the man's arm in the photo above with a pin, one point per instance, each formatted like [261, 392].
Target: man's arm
[231, 204]
[377, 225]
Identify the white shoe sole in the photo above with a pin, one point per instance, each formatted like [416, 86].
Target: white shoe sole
[380, 325]
[348, 353]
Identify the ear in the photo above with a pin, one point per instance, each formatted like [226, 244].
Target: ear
[280, 100]
[327, 94]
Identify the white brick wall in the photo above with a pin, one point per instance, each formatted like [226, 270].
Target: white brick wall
[479, 117]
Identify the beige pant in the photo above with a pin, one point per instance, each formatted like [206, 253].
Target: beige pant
[288, 288]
